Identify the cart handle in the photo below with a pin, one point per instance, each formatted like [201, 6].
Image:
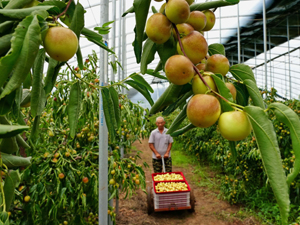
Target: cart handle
[163, 164]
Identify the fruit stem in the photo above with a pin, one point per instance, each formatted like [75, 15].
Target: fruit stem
[238, 109]
[235, 105]
[82, 79]
[238, 81]
[65, 10]
[195, 68]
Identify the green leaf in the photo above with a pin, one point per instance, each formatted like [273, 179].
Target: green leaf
[130, 10]
[79, 58]
[6, 27]
[77, 22]
[138, 78]
[115, 98]
[149, 51]
[108, 109]
[177, 121]
[212, 4]
[95, 38]
[232, 145]
[52, 73]
[183, 130]
[21, 142]
[35, 128]
[12, 179]
[4, 218]
[158, 68]
[254, 93]
[38, 97]
[169, 96]
[154, 10]
[140, 88]
[7, 102]
[27, 34]
[17, 102]
[141, 8]
[12, 161]
[26, 97]
[242, 95]
[216, 49]
[9, 145]
[181, 100]
[242, 72]
[156, 74]
[11, 130]
[74, 107]
[27, 83]
[267, 142]
[20, 14]
[17, 4]
[5, 44]
[166, 50]
[287, 116]
[224, 91]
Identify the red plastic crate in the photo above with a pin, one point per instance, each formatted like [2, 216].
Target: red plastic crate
[159, 193]
[154, 174]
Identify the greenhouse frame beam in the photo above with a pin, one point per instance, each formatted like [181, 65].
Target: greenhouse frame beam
[270, 60]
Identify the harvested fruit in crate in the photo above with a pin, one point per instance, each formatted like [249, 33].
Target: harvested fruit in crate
[171, 186]
[168, 176]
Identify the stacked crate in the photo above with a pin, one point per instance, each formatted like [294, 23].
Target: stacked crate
[171, 200]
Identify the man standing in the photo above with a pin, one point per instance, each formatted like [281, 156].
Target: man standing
[160, 143]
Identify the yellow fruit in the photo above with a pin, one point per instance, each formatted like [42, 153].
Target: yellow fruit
[27, 198]
[60, 43]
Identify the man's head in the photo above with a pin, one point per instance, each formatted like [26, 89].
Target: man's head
[160, 122]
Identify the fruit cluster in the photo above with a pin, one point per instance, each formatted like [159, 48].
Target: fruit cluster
[171, 186]
[194, 64]
[167, 176]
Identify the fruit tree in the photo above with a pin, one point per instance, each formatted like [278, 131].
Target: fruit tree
[208, 89]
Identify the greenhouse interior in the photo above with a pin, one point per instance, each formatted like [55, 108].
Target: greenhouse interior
[150, 112]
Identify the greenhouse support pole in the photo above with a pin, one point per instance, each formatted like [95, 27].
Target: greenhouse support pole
[255, 59]
[289, 57]
[113, 38]
[265, 42]
[120, 37]
[270, 55]
[124, 46]
[238, 34]
[103, 136]
[220, 25]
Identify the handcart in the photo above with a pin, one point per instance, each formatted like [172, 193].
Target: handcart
[171, 200]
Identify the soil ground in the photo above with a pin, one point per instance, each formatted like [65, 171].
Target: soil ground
[209, 209]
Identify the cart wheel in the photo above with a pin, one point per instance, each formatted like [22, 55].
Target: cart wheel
[150, 203]
[192, 201]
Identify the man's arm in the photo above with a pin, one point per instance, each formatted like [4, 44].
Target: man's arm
[151, 146]
[168, 151]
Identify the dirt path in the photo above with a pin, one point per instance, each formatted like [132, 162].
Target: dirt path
[209, 210]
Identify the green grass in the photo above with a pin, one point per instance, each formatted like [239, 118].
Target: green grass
[179, 158]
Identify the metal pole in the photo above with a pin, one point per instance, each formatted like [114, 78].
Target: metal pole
[238, 34]
[113, 37]
[124, 61]
[265, 43]
[289, 56]
[220, 25]
[255, 60]
[120, 37]
[271, 80]
[103, 137]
